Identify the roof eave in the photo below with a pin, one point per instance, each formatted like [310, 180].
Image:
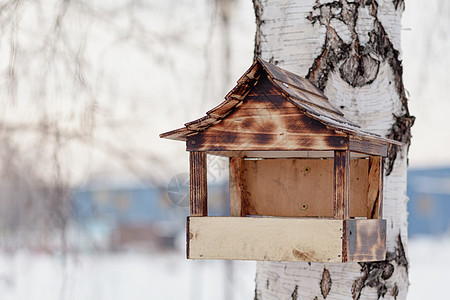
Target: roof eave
[179, 134]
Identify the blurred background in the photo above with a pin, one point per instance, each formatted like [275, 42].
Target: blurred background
[93, 203]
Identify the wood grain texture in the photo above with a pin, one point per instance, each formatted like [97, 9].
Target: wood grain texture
[344, 241]
[368, 146]
[213, 140]
[341, 185]
[187, 237]
[301, 187]
[375, 188]
[283, 154]
[177, 134]
[312, 99]
[274, 239]
[240, 91]
[223, 109]
[198, 184]
[291, 78]
[285, 93]
[246, 83]
[381, 190]
[366, 240]
[237, 187]
[266, 120]
[320, 113]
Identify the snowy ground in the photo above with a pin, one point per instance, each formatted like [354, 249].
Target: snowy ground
[170, 276]
[429, 264]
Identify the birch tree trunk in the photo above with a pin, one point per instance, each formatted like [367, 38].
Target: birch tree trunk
[350, 50]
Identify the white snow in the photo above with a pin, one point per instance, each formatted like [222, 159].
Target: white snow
[133, 275]
[429, 264]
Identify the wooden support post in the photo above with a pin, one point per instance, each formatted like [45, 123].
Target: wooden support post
[375, 190]
[237, 187]
[380, 194]
[341, 185]
[198, 183]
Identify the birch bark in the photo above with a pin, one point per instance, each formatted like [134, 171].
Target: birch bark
[351, 50]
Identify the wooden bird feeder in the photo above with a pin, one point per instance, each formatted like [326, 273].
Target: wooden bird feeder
[305, 182]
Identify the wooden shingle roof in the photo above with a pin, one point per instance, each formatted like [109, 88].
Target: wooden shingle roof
[295, 89]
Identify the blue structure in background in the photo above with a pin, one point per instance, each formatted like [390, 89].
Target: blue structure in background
[115, 216]
[142, 205]
[429, 201]
[105, 209]
[125, 205]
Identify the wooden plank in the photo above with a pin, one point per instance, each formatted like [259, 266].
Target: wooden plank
[283, 154]
[291, 78]
[266, 122]
[213, 140]
[187, 237]
[201, 124]
[241, 90]
[344, 241]
[246, 82]
[177, 134]
[223, 109]
[309, 98]
[237, 187]
[254, 117]
[274, 113]
[279, 154]
[292, 125]
[375, 188]
[198, 184]
[270, 239]
[366, 240]
[368, 146]
[260, 101]
[301, 187]
[281, 87]
[317, 112]
[254, 72]
[341, 185]
[380, 194]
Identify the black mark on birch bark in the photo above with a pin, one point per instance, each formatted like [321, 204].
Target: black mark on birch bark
[257, 293]
[375, 274]
[258, 8]
[394, 291]
[400, 131]
[399, 4]
[294, 295]
[325, 283]
[358, 64]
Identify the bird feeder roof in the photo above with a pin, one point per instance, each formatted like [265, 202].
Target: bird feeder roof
[297, 92]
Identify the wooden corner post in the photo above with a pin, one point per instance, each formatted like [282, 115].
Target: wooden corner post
[198, 183]
[237, 187]
[375, 190]
[341, 185]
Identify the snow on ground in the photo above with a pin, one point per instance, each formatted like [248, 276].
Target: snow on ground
[170, 276]
[429, 264]
[119, 276]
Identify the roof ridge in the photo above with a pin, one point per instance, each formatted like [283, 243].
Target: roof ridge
[300, 88]
[299, 91]
[267, 65]
[314, 104]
